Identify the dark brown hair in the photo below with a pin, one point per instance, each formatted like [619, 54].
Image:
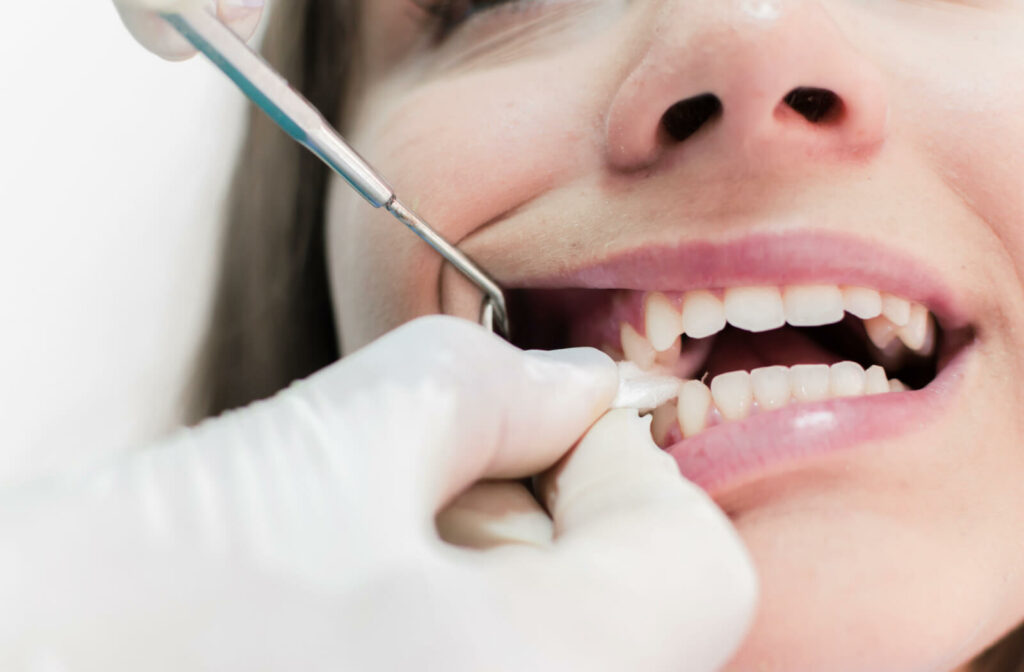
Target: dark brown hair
[272, 320]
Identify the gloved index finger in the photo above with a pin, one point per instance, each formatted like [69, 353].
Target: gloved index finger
[524, 410]
[453, 405]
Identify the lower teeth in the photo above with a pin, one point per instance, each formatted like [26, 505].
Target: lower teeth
[738, 394]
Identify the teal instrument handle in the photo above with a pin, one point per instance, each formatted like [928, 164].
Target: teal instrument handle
[303, 122]
[283, 104]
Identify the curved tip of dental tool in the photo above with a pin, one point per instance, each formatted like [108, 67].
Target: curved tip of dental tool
[497, 313]
[494, 317]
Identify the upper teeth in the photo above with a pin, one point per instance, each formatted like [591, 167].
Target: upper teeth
[810, 305]
[702, 313]
[919, 332]
[754, 308]
[636, 348]
[863, 302]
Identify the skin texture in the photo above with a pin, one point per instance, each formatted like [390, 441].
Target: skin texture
[531, 137]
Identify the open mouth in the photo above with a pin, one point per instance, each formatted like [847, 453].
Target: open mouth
[747, 353]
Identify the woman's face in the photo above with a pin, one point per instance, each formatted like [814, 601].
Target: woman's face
[564, 146]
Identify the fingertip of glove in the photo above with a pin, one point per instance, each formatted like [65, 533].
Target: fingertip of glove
[152, 32]
[586, 374]
[143, 20]
[588, 359]
[242, 16]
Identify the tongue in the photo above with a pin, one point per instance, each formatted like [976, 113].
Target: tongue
[736, 350]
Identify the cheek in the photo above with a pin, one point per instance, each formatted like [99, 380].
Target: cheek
[956, 92]
[970, 126]
[468, 149]
[981, 150]
[461, 152]
[959, 98]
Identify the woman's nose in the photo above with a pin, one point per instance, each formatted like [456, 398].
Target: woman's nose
[765, 81]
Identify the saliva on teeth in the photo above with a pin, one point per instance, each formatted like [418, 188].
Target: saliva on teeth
[893, 325]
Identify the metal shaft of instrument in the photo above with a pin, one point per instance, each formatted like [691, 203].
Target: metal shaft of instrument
[303, 122]
[494, 314]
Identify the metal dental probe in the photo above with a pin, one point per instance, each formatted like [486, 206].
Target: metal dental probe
[304, 123]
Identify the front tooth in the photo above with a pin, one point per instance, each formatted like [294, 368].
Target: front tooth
[875, 380]
[732, 394]
[846, 379]
[896, 309]
[663, 322]
[813, 305]
[928, 347]
[897, 386]
[881, 331]
[809, 382]
[703, 314]
[771, 386]
[636, 348]
[669, 358]
[919, 332]
[754, 308]
[863, 302]
[693, 406]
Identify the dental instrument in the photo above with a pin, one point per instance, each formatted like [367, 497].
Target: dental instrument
[305, 124]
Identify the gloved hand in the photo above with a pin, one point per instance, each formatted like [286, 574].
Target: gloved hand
[142, 20]
[299, 533]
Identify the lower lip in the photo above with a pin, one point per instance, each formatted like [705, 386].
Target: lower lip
[732, 454]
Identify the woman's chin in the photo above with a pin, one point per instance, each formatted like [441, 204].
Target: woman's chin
[857, 575]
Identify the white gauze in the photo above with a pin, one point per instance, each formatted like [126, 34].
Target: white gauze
[644, 390]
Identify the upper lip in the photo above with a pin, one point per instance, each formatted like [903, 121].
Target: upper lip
[787, 258]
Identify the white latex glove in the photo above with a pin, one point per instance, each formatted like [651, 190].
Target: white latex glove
[142, 20]
[299, 533]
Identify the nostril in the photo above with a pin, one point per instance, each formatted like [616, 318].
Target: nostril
[687, 116]
[814, 105]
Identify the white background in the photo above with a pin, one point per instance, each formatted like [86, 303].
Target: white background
[113, 169]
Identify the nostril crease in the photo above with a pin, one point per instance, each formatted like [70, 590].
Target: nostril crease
[686, 117]
[814, 105]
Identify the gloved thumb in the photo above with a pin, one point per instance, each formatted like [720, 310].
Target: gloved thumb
[142, 18]
[633, 538]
